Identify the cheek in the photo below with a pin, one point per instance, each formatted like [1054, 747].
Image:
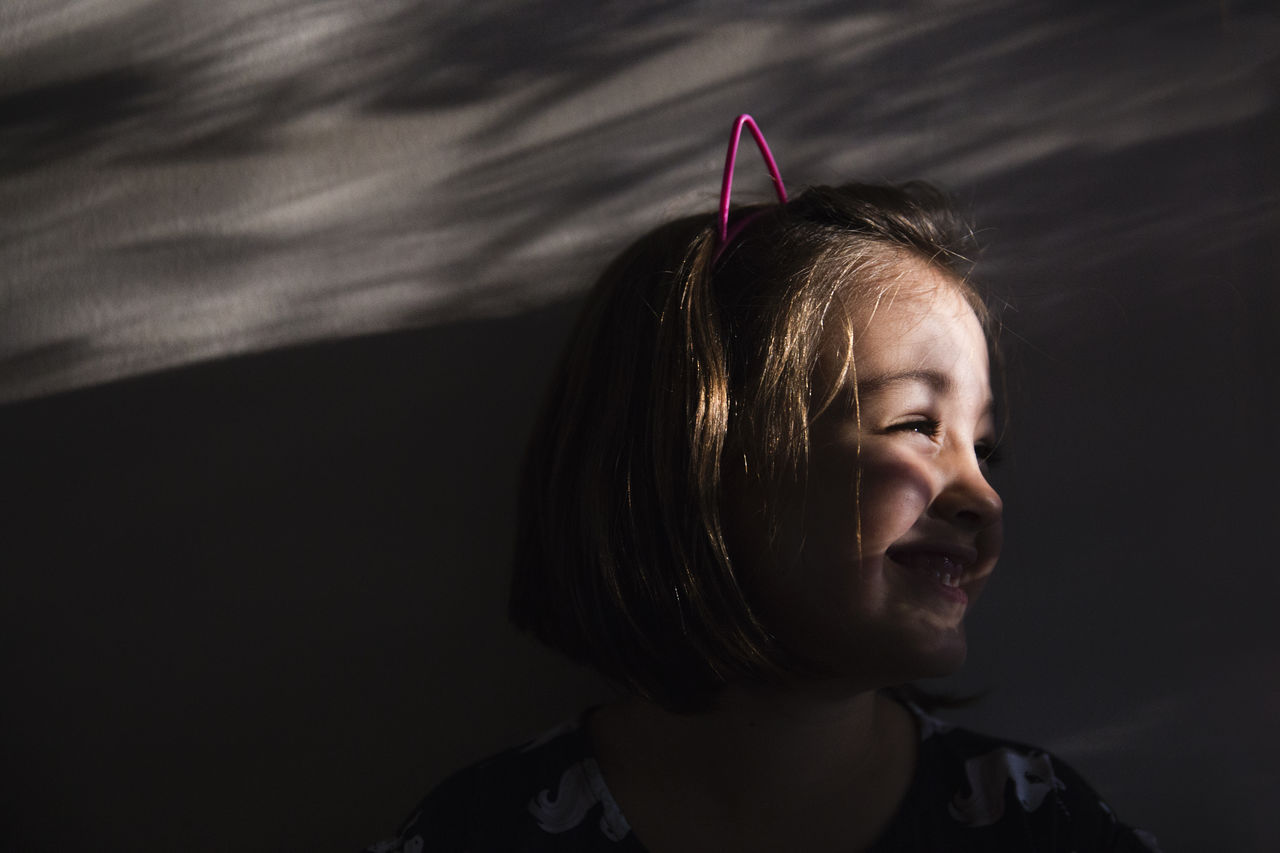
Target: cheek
[895, 493]
[891, 495]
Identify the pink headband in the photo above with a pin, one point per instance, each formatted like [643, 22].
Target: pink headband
[726, 185]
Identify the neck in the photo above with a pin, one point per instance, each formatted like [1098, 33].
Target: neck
[766, 732]
[761, 759]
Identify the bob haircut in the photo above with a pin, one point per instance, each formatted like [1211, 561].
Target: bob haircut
[683, 368]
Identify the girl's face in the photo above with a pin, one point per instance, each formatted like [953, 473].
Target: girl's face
[884, 600]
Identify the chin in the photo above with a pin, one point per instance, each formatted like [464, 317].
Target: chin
[926, 657]
[943, 659]
[888, 662]
[941, 666]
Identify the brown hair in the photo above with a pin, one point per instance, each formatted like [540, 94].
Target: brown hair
[677, 364]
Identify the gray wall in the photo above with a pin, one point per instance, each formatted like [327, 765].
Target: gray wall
[280, 283]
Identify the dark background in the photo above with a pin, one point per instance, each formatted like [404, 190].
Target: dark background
[280, 284]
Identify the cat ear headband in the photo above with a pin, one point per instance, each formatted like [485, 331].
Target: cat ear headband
[725, 234]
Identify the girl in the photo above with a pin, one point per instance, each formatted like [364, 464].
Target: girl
[757, 500]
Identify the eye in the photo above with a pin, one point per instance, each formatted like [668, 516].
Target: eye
[989, 454]
[929, 427]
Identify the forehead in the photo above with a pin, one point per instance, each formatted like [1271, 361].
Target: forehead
[915, 319]
[914, 303]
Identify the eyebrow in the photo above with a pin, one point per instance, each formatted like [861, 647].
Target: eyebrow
[938, 382]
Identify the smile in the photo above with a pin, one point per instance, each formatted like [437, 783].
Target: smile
[948, 565]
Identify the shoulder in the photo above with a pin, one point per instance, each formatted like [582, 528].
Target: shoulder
[546, 794]
[994, 793]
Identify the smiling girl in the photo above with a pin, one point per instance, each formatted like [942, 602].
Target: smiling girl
[757, 501]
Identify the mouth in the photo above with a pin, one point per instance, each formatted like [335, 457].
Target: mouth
[949, 566]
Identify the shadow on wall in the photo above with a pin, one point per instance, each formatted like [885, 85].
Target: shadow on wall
[229, 586]
[181, 181]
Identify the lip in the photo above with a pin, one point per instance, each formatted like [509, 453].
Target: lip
[948, 566]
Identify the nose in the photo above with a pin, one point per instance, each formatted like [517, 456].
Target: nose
[967, 500]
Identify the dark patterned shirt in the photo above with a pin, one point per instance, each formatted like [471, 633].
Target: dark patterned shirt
[970, 792]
